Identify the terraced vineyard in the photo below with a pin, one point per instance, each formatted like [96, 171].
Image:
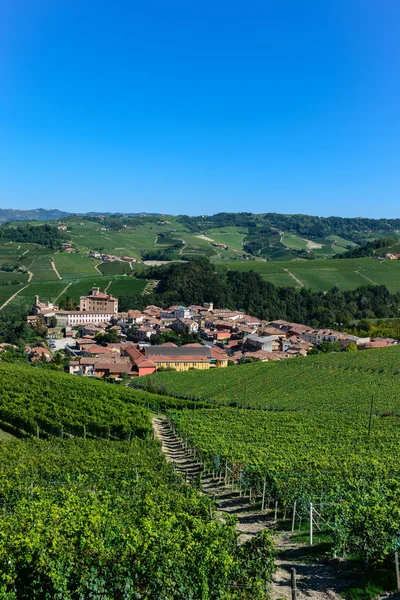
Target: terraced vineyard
[343, 463]
[322, 429]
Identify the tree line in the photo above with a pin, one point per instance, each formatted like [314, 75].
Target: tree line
[197, 281]
[44, 235]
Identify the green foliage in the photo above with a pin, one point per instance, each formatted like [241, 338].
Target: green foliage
[322, 456]
[110, 337]
[197, 281]
[352, 347]
[369, 248]
[15, 330]
[61, 404]
[90, 519]
[46, 235]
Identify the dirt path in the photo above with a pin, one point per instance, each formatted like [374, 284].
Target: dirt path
[314, 581]
[12, 297]
[365, 277]
[55, 269]
[30, 276]
[62, 292]
[301, 284]
[97, 268]
[109, 283]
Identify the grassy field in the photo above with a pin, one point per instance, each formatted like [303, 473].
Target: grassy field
[42, 269]
[117, 286]
[12, 278]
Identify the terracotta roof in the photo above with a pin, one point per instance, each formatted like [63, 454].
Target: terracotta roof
[98, 350]
[218, 354]
[139, 358]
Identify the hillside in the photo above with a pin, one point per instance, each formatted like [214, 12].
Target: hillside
[291, 257]
[341, 382]
[106, 514]
[35, 214]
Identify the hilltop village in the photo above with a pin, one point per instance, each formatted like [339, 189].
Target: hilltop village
[101, 341]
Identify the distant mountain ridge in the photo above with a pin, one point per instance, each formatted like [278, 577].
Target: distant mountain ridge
[34, 214]
[54, 214]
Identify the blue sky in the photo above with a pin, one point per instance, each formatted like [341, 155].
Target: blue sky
[200, 107]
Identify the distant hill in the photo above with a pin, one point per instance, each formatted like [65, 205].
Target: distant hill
[35, 214]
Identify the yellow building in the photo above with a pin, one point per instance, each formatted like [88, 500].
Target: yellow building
[186, 357]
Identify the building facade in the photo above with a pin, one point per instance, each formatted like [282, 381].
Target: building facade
[97, 302]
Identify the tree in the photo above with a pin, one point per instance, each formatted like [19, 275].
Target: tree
[110, 337]
[53, 322]
[352, 347]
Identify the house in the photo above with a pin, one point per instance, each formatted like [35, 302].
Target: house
[377, 343]
[392, 256]
[42, 308]
[220, 335]
[280, 324]
[269, 343]
[219, 358]
[318, 336]
[38, 353]
[141, 364]
[181, 325]
[107, 365]
[176, 312]
[54, 333]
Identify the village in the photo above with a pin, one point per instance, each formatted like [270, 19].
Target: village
[101, 341]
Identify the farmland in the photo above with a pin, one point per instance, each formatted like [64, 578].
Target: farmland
[321, 429]
[322, 275]
[339, 382]
[45, 268]
[73, 288]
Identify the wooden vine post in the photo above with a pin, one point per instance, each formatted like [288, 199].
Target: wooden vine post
[293, 584]
[294, 515]
[263, 496]
[396, 562]
[311, 524]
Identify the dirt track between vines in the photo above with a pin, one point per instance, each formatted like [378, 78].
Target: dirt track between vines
[314, 581]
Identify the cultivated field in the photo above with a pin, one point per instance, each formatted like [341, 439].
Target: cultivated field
[340, 382]
[322, 275]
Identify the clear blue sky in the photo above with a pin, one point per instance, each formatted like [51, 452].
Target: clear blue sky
[199, 107]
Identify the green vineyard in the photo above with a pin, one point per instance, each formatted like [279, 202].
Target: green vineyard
[94, 510]
[111, 520]
[59, 404]
[340, 382]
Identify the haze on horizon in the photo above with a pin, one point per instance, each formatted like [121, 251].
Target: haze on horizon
[197, 109]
